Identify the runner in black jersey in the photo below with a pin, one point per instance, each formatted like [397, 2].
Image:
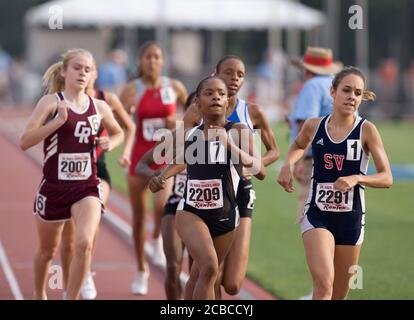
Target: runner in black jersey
[334, 215]
[208, 214]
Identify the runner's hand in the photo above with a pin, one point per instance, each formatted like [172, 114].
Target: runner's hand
[62, 109]
[285, 179]
[157, 183]
[124, 161]
[346, 183]
[104, 143]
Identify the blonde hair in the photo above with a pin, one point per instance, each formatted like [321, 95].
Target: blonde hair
[52, 79]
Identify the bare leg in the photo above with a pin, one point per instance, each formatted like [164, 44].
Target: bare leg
[174, 249]
[207, 253]
[138, 195]
[320, 249]
[235, 265]
[49, 236]
[345, 258]
[67, 248]
[86, 214]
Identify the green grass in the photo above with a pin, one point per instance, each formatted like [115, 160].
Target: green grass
[277, 258]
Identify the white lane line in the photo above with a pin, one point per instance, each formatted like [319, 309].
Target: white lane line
[11, 279]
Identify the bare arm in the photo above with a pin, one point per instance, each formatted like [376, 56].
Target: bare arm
[128, 97]
[38, 126]
[372, 143]
[158, 182]
[260, 122]
[115, 133]
[296, 152]
[126, 122]
[180, 91]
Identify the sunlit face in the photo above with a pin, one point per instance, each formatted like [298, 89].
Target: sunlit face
[348, 96]
[79, 71]
[152, 61]
[232, 71]
[212, 99]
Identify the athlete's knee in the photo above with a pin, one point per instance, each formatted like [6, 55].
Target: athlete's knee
[47, 254]
[67, 248]
[84, 246]
[232, 288]
[209, 270]
[322, 287]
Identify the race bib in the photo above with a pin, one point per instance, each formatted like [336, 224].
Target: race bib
[330, 199]
[179, 184]
[74, 166]
[95, 123]
[168, 95]
[205, 194]
[150, 126]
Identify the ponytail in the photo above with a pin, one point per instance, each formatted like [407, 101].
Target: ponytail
[53, 80]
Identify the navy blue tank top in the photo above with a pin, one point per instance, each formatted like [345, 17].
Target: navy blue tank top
[332, 160]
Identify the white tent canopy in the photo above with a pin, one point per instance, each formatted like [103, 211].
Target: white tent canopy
[206, 14]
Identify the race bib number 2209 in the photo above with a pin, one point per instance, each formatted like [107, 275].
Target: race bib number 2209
[205, 194]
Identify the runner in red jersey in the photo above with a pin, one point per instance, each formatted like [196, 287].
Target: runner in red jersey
[152, 99]
[68, 121]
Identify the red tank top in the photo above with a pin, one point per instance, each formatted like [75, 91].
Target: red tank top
[153, 107]
[69, 152]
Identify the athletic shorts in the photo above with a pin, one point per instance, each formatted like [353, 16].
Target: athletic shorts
[217, 225]
[346, 228]
[102, 171]
[54, 201]
[245, 198]
[172, 204]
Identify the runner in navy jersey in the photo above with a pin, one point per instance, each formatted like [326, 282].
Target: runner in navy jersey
[70, 187]
[88, 290]
[334, 214]
[208, 215]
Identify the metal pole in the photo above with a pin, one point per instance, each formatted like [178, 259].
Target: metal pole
[362, 39]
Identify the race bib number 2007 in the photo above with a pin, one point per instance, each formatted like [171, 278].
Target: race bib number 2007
[330, 199]
[74, 166]
[205, 194]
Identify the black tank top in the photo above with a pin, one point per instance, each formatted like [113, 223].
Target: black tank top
[212, 177]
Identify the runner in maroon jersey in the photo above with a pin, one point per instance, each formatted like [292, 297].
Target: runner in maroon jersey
[88, 290]
[68, 120]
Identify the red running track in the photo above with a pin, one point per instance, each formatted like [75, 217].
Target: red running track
[113, 262]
